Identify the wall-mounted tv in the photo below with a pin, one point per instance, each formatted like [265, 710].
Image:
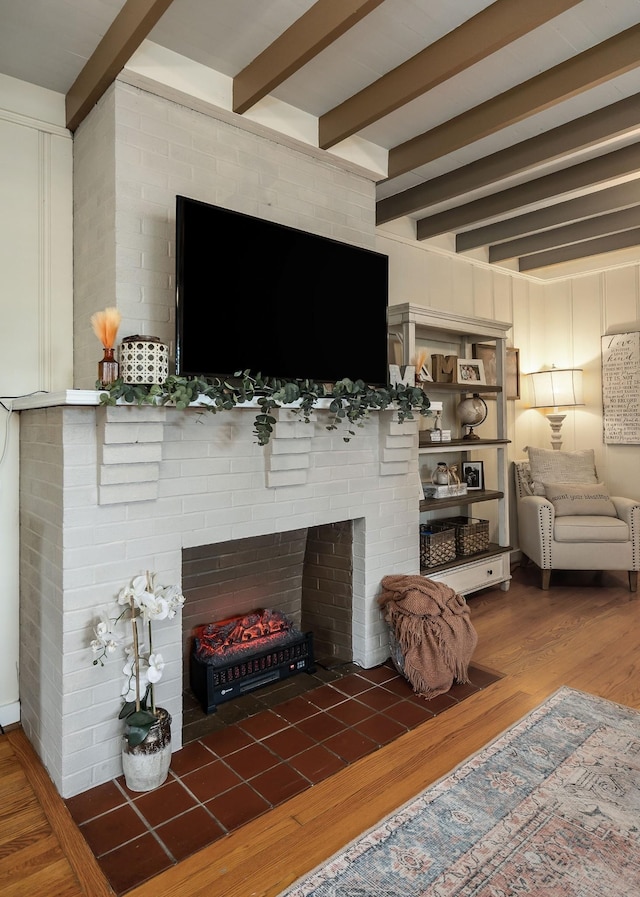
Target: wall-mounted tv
[251, 294]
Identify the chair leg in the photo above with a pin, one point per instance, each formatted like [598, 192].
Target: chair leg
[633, 580]
[546, 579]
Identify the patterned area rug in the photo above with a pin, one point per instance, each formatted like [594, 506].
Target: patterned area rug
[551, 807]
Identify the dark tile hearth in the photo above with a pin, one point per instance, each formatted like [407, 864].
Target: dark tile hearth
[250, 756]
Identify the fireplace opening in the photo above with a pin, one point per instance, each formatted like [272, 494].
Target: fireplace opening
[304, 574]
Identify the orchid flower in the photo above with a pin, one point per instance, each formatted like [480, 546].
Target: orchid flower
[154, 607]
[106, 641]
[156, 667]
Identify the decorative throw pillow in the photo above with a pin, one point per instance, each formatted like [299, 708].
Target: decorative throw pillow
[551, 466]
[568, 500]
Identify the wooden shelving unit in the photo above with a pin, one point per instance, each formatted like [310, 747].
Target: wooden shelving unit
[452, 334]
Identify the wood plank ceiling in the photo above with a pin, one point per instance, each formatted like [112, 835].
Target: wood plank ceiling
[511, 127]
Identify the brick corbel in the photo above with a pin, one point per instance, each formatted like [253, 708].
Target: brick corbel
[129, 452]
[288, 451]
[398, 443]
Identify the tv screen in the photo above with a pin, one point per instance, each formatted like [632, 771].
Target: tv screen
[251, 294]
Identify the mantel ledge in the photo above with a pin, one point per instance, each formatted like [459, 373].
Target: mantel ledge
[91, 397]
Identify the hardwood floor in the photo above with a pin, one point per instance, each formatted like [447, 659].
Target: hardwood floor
[584, 632]
[41, 850]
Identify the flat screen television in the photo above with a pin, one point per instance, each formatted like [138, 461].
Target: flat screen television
[254, 295]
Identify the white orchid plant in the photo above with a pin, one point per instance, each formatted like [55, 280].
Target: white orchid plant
[142, 602]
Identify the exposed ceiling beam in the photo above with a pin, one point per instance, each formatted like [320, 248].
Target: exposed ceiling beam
[491, 29]
[588, 130]
[607, 60]
[581, 250]
[130, 27]
[324, 23]
[619, 163]
[621, 196]
[589, 228]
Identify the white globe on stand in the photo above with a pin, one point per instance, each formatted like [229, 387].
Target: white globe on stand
[471, 413]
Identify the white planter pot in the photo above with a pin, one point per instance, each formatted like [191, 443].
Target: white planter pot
[146, 766]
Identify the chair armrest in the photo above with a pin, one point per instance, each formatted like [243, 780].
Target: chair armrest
[625, 507]
[628, 510]
[536, 516]
[531, 505]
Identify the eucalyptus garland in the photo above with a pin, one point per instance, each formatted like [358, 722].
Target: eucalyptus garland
[350, 403]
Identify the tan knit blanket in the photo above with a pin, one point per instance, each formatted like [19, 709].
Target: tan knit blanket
[432, 625]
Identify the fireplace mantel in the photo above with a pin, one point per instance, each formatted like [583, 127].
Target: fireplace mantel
[91, 397]
[55, 399]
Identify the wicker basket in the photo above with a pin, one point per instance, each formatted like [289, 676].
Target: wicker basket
[437, 544]
[471, 534]
[397, 657]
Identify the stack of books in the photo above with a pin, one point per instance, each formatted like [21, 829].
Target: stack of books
[440, 435]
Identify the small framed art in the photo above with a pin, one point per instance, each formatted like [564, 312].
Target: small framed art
[470, 370]
[473, 474]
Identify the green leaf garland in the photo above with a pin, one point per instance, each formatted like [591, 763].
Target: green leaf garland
[351, 400]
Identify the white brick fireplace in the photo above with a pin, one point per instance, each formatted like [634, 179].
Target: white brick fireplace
[110, 492]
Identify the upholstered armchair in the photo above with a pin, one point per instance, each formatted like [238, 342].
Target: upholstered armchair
[568, 521]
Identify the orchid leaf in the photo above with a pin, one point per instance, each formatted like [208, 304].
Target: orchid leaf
[142, 718]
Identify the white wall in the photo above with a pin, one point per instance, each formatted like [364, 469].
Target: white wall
[36, 303]
[561, 323]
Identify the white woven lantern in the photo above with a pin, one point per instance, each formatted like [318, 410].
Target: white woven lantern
[144, 359]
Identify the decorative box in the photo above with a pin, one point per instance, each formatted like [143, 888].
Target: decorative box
[437, 544]
[447, 491]
[144, 359]
[472, 534]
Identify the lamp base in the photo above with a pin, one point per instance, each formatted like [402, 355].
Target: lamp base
[555, 422]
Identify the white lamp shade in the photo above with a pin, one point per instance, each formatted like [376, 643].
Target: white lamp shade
[556, 387]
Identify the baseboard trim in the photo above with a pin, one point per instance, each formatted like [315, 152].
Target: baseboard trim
[10, 713]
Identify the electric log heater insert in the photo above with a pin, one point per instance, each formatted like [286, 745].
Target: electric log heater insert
[233, 657]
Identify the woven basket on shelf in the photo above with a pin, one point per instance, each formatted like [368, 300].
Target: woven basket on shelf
[471, 534]
[437, 544]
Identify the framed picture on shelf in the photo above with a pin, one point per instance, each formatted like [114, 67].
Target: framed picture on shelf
[473, 474]
[487, 354]
[470, 370]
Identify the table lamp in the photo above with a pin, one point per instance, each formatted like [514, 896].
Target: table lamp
[555, 388]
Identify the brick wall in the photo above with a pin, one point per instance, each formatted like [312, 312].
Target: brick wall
[94, 233]
[41, 585]
[327, 587]
[134, 153]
